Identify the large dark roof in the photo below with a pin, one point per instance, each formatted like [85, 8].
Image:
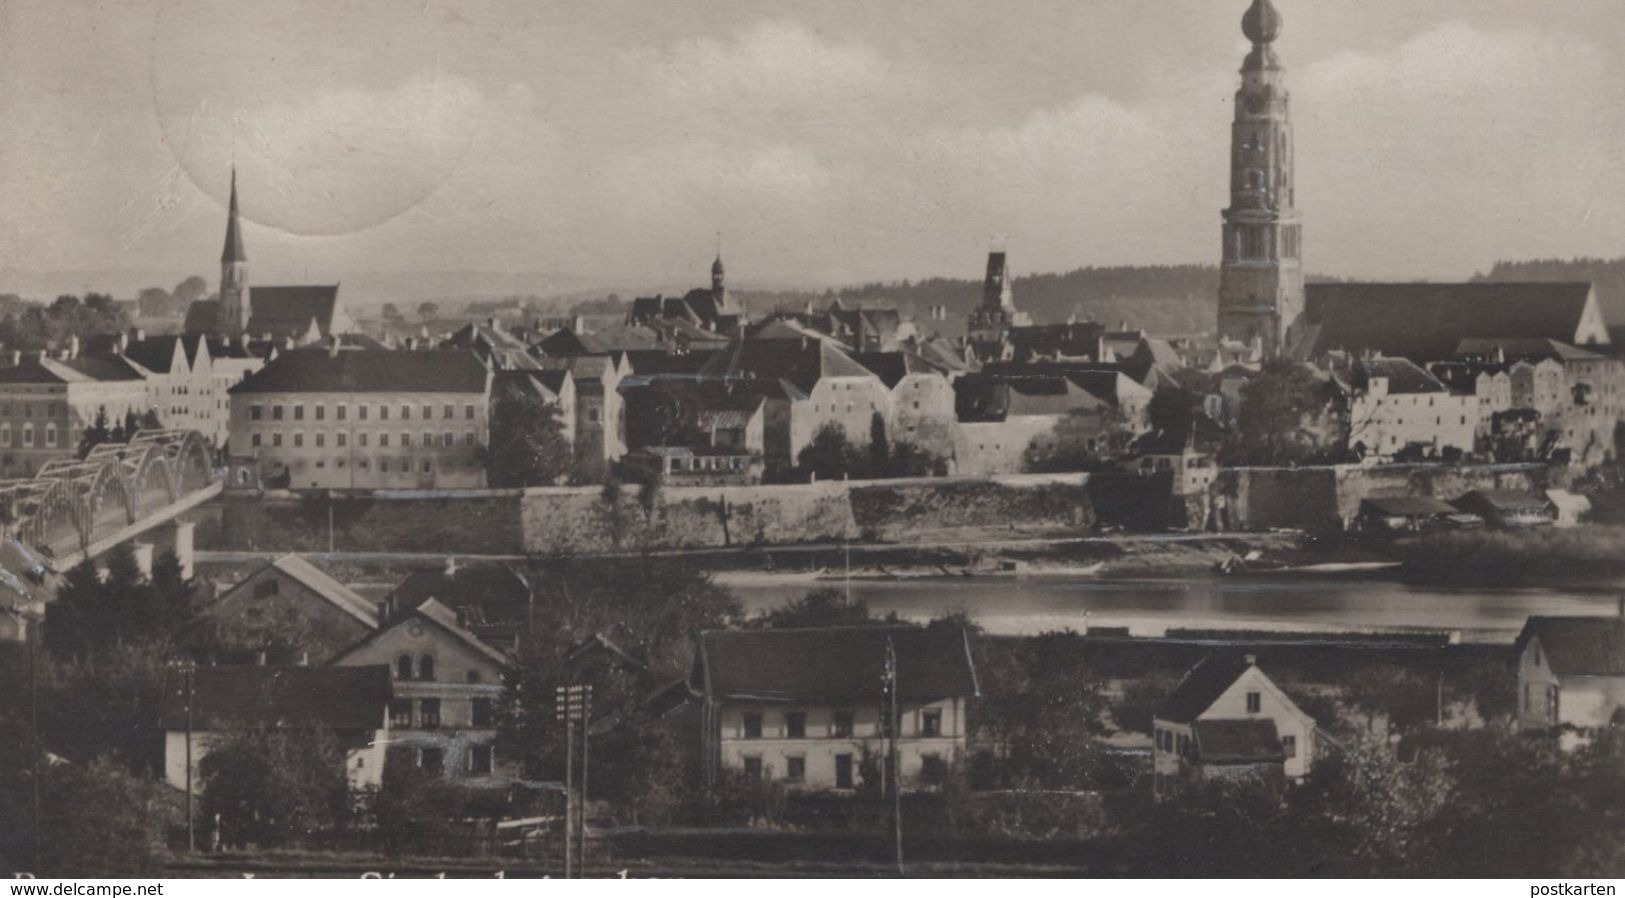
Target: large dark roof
[892, 367]
[1408, 506]
[370, 371]
[1579, 646]
[499, 591]
[288, 311]
[833, 664]
[1202, 687]
[1252, 741]
[223, 698]
[37, 370]
[1425, 322]
[802, 362]
[1403, 375]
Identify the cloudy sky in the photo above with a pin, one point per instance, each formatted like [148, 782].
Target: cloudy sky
[829, 141]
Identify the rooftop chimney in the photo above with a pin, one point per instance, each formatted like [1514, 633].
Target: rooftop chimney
[333, 346]
[451, 566]
[137, 334]
[259, 658]
[122, 344]
[1252, 660]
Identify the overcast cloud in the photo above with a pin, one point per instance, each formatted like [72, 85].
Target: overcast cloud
[829, 141]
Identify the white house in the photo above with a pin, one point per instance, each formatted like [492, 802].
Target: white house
[1571, 675]
[1394, 404]
[447, 682]
[351, 702]
[1213, 725]
[804, 706]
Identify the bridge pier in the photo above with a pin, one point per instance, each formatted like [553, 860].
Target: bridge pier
[143, 553]
[183, 542]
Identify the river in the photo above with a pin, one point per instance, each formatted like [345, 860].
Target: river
[1149, 607]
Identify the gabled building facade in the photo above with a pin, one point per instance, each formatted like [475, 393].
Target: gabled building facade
[1211, 726]
[805, 707]
[1571, 675]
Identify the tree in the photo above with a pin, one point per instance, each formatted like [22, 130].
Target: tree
[189, 291]
[1046, 709]
[392, 313]
[879, 447]
[1083, 440]
[825, 607]
[527, 444]
[81, 618]
[828, 455]
[427, 311]
[96, 434]
[272, 787]
[1284, 414]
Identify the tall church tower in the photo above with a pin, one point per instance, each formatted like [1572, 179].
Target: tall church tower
[233, 273]
[1261, 292]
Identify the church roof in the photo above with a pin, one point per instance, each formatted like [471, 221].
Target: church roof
[81, 369]
[1425, 322]
[288, 311]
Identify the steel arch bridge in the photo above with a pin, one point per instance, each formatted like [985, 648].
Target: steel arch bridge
[72, 505]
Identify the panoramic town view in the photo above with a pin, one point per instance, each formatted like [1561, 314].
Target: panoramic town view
[841, 443]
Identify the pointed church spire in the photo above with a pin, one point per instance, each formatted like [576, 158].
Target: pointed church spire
[233, 251]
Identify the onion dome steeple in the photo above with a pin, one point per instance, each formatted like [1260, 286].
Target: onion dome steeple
[1262, 25]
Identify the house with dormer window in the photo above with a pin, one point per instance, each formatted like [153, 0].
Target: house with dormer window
[1227, 720]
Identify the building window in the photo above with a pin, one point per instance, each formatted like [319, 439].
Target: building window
[1255, 702]
[339, 412]
[400, 712]
[481, 713]
[448, 440]
[28, 436]
[383, 413]
[795, 725]
[406, 413]
[1289, 746]
[403, 667]
[479, 759]
[753, 725]
[474, 676]
[321, 412]
[342, 439]
[361, 439]
[432, 760]
[468, 412]
[361, 413]
[383, 441]
[428, 467]
[449, 412]
[795, 769]
[753, 768]
[931, 723]
[841, 726]
[254, 440]
[298, 440]
[468, 438]
[1554, 698]
[428, 412]
[299, 413]
[276, 413]
[266, 588]
[428, 713]
[255, 413]
[321, 440]
[426, 667]
[276, 440]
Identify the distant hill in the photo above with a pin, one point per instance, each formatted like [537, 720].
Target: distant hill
[1607, 275]
[1162, 299]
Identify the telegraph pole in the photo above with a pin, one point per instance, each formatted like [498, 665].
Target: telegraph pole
[893, 723]
[191, 835]
[33, 716]
[570, 707]
[581, 826]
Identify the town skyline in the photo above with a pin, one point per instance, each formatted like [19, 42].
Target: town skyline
[596, 185]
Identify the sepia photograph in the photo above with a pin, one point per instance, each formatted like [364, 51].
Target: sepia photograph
[494, 440]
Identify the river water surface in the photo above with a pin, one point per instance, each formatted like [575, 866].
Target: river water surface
[1149, 607]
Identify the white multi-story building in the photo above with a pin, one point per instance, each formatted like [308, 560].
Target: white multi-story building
[1393, 405]
[806, 708]
[320, 418]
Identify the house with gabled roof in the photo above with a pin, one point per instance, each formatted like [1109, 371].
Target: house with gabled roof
[1226, 720]
[351, 703]
[1571, 675]
[447, 682]
[289, 610]
[803, 706]
[837, 390]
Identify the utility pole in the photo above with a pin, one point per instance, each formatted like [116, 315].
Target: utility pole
[330, 522]
[33, 716]
[187, 668]
[570, 707]
[893, 723]
[581, 826]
